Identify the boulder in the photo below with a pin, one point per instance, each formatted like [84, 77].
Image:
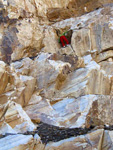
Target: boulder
[41, 111]
[19, 141]
[15, 141]
[67, 50]
[75, 61]
[89, 141]
[101, 35]
[6, 129]
[96, 37]
[49, 73]
[81, 42]
[22, 67]
[20, 91]
[88, 80]
[59, 79]
[28, 85]
[15, 116]
[21, 39]
[84, 111]
[29, 38]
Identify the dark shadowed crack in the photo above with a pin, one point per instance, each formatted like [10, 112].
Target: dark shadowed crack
[53, 133]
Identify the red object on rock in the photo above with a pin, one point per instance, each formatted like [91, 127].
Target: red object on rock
[63, 39]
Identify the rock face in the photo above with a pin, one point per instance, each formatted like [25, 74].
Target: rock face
[20, 142]
[108, 140]
[96, 37]
[89, 141]
[85, 111]
[43, 83]
[15, 116]
[73, 8]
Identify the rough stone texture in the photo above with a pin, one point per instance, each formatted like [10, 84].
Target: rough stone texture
[61, 80]
[22, 67]
[81, 112]
[81, 42]
[74, 8]
[97, 37]
[50, 41]
[6, 129]
[89, 141]
[29, 43]
[101, 35]
[4, 77]
[48, 71]
[104, 56]
[43, 6]
[16, 117]
[66, 87]
[107, 67]
[19, 8]
[28, 84]
[16, 40]
[20, 142]
[83, 81]
[107, 140]
[21, 90]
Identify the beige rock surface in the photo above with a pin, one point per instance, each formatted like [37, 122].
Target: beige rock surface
[6, 129]
[17, 142]
[29, 86]
[4, 76]
[102, 40]
[81, 42]
[52, 71]
[97, 37]
[22, 67]
[107, 67]
[48, 71]
[50, 41]
[71, 113]
[67, 87]
[16, 39]
[107, 140]
[51, 10]
[84, 80]
[29, 43]
[15, 116]
[74, 8]
[104, 56]
[19, 8]
[21, 91]
[91, 141]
